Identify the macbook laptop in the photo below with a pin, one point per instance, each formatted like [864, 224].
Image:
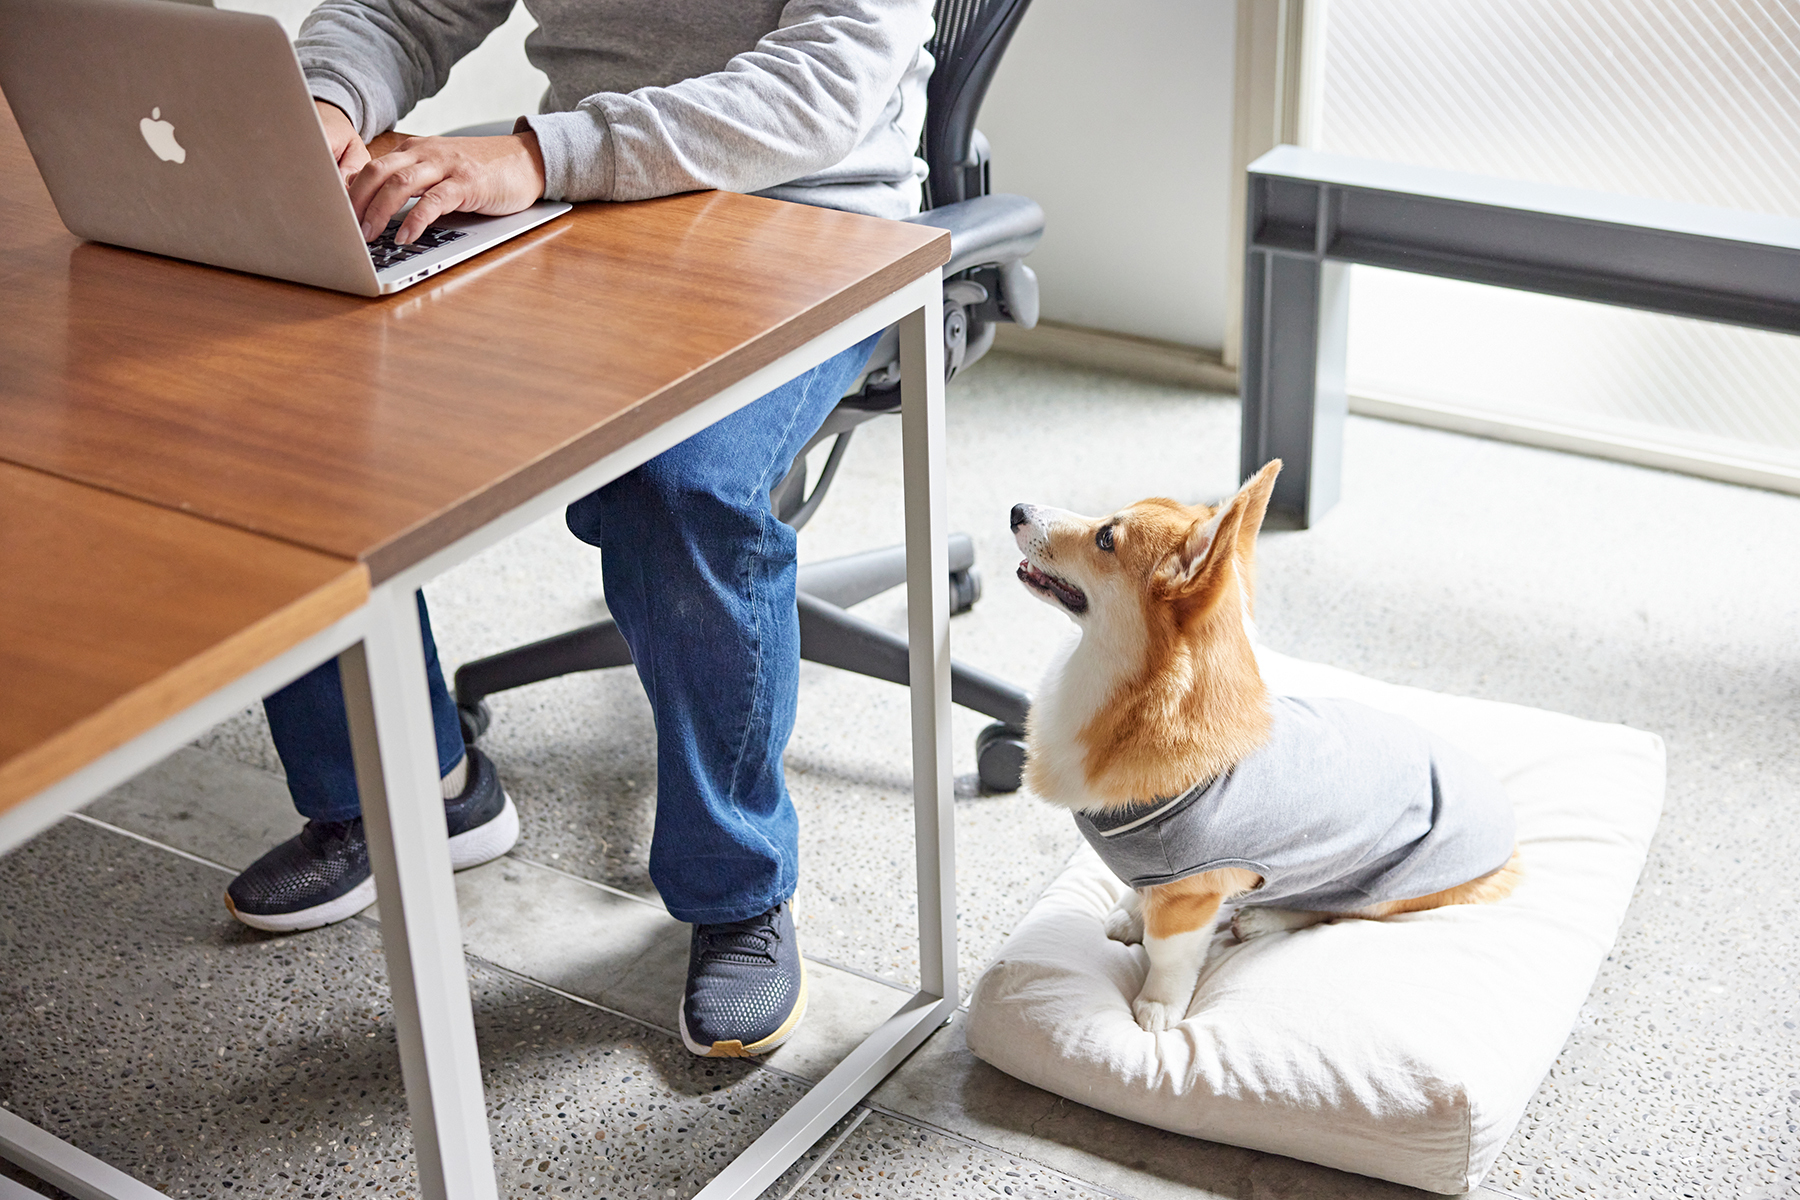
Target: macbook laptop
[189, 132]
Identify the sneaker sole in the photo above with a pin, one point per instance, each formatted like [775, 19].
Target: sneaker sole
[482, 844]
[486, 841]
[733, 1048]
[319, 915]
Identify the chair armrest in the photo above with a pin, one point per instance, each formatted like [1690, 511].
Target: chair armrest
[987, 229]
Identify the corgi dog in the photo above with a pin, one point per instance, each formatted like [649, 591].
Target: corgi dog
[1198, 787]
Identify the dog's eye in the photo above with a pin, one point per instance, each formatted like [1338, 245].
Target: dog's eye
[1103, 539]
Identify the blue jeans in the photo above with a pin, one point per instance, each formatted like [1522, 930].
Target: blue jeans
[312, 735]
[699, 576]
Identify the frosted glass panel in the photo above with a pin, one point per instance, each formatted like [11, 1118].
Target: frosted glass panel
[1694, 100]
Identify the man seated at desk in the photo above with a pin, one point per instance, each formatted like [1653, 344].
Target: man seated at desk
[819, 101]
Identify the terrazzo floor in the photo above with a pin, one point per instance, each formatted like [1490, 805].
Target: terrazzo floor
[140, 1022]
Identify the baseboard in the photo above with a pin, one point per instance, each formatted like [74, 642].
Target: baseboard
[1191, 366]
[1120, 353]
[1622, 445]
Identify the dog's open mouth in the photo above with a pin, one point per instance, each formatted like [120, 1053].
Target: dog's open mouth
[1066, 593]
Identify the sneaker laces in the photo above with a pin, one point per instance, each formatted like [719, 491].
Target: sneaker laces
[319, 834]
[751, 940]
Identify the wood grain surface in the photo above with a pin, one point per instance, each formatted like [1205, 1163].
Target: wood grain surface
[382, 430]
[115, 614]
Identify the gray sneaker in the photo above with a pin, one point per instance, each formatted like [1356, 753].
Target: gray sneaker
[320, 876]
[746, 986]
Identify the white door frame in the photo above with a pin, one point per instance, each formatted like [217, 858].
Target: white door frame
[1279, 82]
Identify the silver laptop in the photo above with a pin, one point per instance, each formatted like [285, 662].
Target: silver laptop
[189, 132]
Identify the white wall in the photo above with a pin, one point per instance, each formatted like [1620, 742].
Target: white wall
[1115, 115]
[493, 83]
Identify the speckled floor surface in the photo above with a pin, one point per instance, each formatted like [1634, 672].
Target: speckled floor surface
[137, 1020]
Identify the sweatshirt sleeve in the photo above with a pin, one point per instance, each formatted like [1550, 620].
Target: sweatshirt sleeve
[376, 59]
[799, 102]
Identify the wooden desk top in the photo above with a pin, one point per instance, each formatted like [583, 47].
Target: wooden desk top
[115, 614]
[382, 430]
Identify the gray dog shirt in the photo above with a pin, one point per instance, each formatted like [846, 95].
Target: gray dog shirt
[1343, 807]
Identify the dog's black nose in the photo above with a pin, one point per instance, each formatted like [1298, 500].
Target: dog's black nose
[1018, 515]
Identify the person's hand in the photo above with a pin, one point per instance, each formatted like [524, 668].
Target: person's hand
[346, 147]
[491, 175]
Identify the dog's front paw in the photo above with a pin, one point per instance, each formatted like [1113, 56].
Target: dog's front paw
[1154, 1016]
[1249, 923]
[1125, 925]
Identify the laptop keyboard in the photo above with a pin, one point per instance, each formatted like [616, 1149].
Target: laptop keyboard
[384, 253]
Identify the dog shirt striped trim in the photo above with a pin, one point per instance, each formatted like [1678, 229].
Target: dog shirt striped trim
[1124, 820]
[1343, 807]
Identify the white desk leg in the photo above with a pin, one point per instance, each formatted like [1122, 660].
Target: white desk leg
[928, 631]
[928, 642]
[409, 852]
[74, 1171]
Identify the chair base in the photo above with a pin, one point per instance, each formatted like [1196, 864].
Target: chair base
[829, 635]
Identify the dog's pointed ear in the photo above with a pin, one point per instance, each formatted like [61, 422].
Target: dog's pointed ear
[1229, 534]
[1183, 570]
[1254, 496]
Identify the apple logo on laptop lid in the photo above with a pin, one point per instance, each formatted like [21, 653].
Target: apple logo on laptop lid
[160, 135]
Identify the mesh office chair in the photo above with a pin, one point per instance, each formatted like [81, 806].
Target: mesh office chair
[984, 283]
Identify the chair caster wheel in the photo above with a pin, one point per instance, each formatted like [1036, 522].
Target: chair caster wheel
[1000, 757]
[475, 719]
[965, 590]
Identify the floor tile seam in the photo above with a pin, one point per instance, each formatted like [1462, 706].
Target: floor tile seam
[529, 981]
[1491, 1190]
[521, 977]
[152, 842]
[608, 888]
[863, 1113]
[965, 1139]
[371, 922]
[891, 984]
[657, 905]
[932, 1127]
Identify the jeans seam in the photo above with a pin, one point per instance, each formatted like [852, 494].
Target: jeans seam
[756, 685]
[765, 517]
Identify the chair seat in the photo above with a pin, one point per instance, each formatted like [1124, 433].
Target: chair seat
[986, 229]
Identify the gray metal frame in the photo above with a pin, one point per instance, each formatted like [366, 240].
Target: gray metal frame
[1310, 214]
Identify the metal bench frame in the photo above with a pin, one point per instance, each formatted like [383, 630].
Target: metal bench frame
[1312, 214]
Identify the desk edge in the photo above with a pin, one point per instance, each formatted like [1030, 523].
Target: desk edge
[429, 536]
[174, 690]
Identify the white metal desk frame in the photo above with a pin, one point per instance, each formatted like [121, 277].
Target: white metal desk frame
[379, 652]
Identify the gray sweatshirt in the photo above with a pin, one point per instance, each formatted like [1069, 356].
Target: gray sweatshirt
[820, 101]
[1342, 807]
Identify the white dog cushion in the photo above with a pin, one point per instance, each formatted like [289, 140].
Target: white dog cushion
[1404, 1049]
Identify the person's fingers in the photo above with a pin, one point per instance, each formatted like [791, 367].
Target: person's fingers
[354, 158]
[489, 175]
[445, 197]
[374, 173]
[347, 148]
[384, 186]
[392, 197]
